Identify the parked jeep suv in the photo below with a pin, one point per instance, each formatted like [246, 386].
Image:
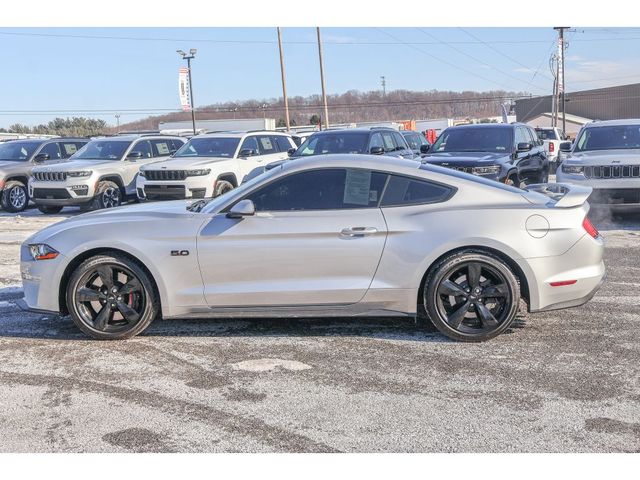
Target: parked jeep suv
[211, 164]
[510, 153]
[100, 175]
[606, 156]
[17, 159]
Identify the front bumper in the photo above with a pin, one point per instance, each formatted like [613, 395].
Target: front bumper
[191, 188]
[73, 191]
[40, 281]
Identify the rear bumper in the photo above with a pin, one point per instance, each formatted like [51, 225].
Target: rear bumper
[575, 302]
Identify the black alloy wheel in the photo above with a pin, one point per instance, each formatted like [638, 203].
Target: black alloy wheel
[472, 296]
[111, 297]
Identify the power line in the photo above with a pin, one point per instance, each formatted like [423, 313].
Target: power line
[462, 52]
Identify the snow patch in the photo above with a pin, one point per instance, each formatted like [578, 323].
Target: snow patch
[269, 364]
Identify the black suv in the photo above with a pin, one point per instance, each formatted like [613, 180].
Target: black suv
[510, 153]
[417, 142]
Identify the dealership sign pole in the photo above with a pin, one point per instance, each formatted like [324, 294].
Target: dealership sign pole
[185, 86]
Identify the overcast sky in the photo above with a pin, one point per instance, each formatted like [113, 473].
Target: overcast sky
[73, 71]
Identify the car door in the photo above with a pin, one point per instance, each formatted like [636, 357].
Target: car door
[538, 154]
[402, 147]
[52, 154]
[132, 165]
[316, 239]
[523, 159]
[248, 163]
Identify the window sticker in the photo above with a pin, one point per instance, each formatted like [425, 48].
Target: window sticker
[163, 148]
[70, 148]
[357, 185]
[266, 143]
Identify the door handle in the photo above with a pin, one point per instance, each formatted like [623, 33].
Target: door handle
[358, 231]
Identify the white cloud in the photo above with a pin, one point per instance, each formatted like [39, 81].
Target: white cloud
[587, 74]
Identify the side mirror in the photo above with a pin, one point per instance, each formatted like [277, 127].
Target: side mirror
[565, 147]
[376, 150]
[244, 208]
[425, 148]
[524, 147]
[41, 157]
[247, 152]
[291, 151]
[134, 155]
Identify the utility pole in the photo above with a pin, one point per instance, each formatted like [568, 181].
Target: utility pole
[324, 91]
[561, 86]
[383, 81]
[188, 57]
[284, 82]
[117, 115]
[553, 66]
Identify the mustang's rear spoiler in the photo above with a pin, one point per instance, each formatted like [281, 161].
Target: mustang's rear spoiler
[564, 194]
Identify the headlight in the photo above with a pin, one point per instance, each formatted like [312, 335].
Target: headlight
[142, 174]
[490, 170]
[574, 169]
[83, 173]
[199, 172]
[42, 251]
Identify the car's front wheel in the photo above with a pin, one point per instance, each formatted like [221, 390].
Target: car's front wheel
[222, 186]
[15, 197]
[471, 296]
[108, 195]
[110, 297]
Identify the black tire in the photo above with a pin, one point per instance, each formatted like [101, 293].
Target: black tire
[222, 186]
[15, 197]
[108, 195]
[116, 312]
[49, 209]
[459, 303]
[514, 181]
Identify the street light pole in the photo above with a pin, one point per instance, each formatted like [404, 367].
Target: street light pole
[324, 91]
[284, 83]
[188, 57]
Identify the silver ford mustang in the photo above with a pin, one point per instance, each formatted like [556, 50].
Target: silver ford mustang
[338, 235]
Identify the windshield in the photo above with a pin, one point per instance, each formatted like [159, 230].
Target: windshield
[483, 139]
[622, 137]
[209, 147]
[546, 134]
[335, 142]
[102, 150]
[18, 151]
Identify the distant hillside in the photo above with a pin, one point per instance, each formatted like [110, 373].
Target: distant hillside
[352, 106]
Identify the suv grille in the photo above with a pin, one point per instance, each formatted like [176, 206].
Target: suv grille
[612, 171]
[460, 169]
[165, 174]
[50, 176]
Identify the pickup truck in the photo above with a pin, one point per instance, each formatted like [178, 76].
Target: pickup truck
[552, 138]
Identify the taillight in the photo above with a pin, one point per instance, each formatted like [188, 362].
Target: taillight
[588, 226]
[552, 147]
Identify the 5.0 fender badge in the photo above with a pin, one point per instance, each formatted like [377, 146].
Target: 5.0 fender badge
[179, 253]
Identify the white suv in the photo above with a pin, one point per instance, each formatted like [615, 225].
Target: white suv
[102, 174]
[211, 164]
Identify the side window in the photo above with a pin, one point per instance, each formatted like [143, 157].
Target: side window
[388, 143]
[52, 150]
[521, 136]
[413, 140]
[282, 142]
[411, 191]
[144, 147]
[161, 148]
[176, 144]
[250, 143]
[376, 141]
[68, 148]
[401, 143]
[327, 189]
[534, 137]
[266, 146]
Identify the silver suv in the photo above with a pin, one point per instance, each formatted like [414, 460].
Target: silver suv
[606, 157]
[17, 159]
[100, 175]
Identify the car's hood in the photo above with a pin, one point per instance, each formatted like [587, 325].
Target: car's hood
[118, 218]
[463, 158]
[606, 157]
[72, 165]
[185, 163]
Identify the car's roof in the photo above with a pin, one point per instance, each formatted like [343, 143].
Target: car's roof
[613, 123]
[488, 125]
[350, 131]
[131, 138]
[240, 134]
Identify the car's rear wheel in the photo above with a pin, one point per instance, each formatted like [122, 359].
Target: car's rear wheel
[15, 197]
[222, 186]
[471, 296]
[110, 297]
[108, 195]
[49, 209]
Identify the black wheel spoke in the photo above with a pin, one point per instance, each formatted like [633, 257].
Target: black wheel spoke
[495, 291]
[86, 294]
[485, 316]
[129, 314]
[455, 319]
[102, 319]
[106, 275]
[473, 278]
[133, 285]
[449, 287]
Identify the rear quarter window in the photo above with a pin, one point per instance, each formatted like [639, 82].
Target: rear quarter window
[411, 191]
